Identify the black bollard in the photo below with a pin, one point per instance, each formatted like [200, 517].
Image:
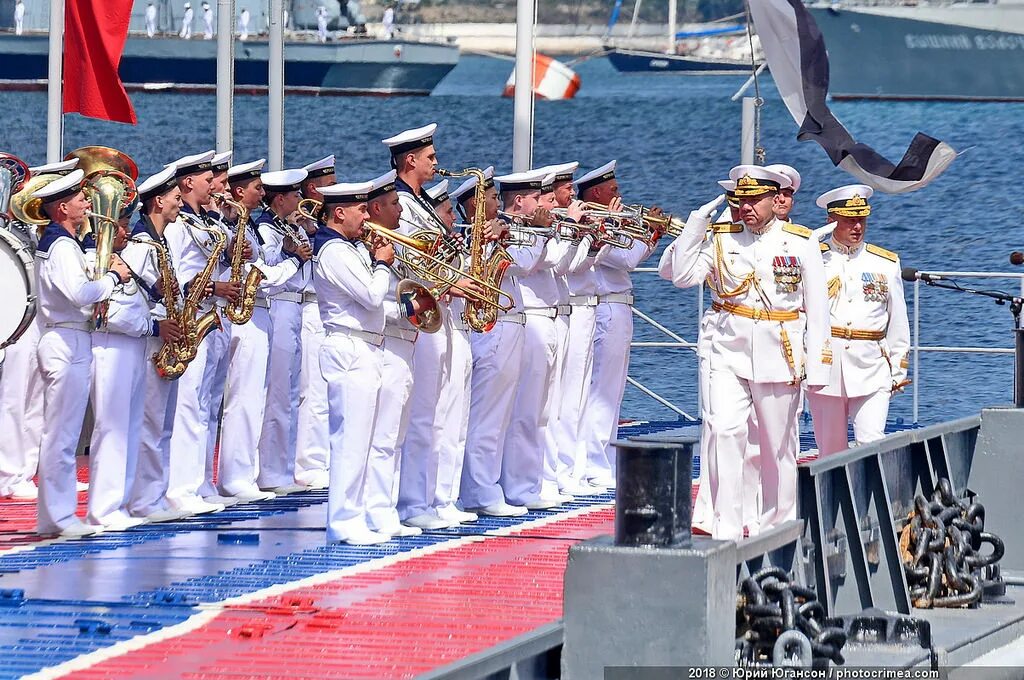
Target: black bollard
[653, 505]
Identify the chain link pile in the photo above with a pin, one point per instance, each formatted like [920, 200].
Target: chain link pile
[941, 550]
[781, 623]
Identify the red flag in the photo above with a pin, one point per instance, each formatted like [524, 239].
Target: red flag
[94, 35]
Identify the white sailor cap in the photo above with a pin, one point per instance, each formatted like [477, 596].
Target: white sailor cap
[246, 171]
[595, 177]
[438, 193]
[382, 185]
[789, 171]
[320, 168]
[847, 201]
[157, 184]
[60, 168]
[283, 181]
[464, 191]
[347, 192]
[522, 181]
[730, 192]
[69, 185]
[410, 140]
[563, 172]
[754, 180]
[190, 165]
[188, 5]
[221, 161]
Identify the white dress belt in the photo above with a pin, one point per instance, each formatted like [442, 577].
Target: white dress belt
[583, 300]
[623, 298]
[287, 296]
[84, 326]
[564, 310]
[371, 338]
[546, 312]
[400, 333]
[515, 317]
[308, 296]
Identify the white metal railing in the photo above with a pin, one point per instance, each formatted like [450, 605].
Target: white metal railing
[676, 341]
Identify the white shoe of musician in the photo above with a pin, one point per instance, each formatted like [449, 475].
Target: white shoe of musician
[500, 510]
[429, 521]
[452, 514]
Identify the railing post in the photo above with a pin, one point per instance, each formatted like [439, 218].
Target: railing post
[917, 346]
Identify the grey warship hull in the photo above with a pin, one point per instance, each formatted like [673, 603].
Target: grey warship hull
[878, 55]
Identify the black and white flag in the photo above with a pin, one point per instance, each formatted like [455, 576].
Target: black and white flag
[795, 51]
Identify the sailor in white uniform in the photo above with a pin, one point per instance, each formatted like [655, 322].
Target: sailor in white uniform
[351, 284]
[400, 336]
[497, 359]
[312, 446]
[613, 333]
[768, 293]
[21, 391]
[66, 296]
[870, 334]
[207, 22]
[280, 416]
[19, 17]
[150, 19]
[186, 22]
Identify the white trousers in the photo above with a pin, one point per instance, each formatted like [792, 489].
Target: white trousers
[277, 438]
[193, 410]
[244, 403]
[352, 370]
[832, 414]
[454, 414]
[312, 445]
[497, 357]
[149, 487]
[65, 362]
[554, 465]
[21, 412]
[118, 398]
[612, 335]
[776, 406]
[421, 450]
[575, 391]
[218, 377]
[382, 473]
[522, 465]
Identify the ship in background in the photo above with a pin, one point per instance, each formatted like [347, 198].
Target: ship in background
[924, 50]
[350, 63]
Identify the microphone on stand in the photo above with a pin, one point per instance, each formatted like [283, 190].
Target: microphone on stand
[911, 274]
[1017, 258]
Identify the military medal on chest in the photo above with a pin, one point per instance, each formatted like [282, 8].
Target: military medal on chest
[876, 287]
[787, 273]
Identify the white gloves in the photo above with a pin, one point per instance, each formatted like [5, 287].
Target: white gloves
[708, 209]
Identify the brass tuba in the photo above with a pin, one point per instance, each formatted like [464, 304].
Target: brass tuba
[14, 173]
[29, 210]
[408, 293]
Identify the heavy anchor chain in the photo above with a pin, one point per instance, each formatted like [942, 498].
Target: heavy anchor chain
[941, 549]
[782, 624]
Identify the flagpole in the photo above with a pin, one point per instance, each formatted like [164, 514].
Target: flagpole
[225, 74]
[522, 101]
[54, 85]
[275, 83]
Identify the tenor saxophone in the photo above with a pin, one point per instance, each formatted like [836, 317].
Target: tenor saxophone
[173, 358]
[241, 310]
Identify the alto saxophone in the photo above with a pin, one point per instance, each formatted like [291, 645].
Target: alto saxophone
[241, 310]
[173, 358]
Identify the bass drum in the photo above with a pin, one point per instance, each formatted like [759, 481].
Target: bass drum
[18, 283]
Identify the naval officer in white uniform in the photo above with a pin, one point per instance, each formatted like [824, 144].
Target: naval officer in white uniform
[870, 334]
[768, 290]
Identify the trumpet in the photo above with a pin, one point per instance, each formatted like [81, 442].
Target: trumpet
[425, 265]
[608, 228]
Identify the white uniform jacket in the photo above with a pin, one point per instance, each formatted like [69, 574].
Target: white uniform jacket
[866, 294]
[350, 287]
[778, 270]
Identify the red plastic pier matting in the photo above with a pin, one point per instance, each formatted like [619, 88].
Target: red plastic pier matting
[410, 614]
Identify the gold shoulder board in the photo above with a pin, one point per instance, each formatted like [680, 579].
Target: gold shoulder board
[797, 229]
[824, 247]
[881, 252]
[726, 228]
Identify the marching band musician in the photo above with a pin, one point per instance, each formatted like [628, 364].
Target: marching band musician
[312, 446]
[351, 284]
[21, 390]
[763, 342]
[160, 200]
[497, 356]
[870, 337]
[278, 436]
[193, 408]
[389, 426]
[613, 331]
[66, 295]
[249, 346]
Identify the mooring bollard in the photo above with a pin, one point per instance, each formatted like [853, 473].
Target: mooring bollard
[653, 503]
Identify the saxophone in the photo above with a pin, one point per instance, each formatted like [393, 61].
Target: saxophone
[173, 358]
[482, 313]
[240, 312]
